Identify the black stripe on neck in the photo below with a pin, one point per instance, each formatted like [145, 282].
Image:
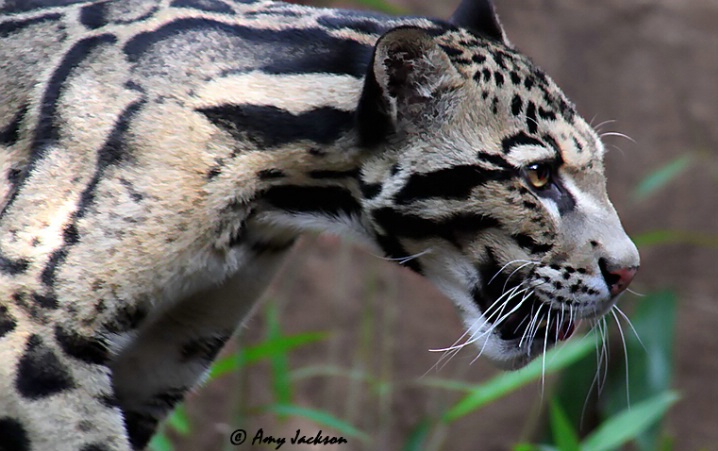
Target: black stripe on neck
[269, 126]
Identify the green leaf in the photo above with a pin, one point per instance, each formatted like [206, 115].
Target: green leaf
[160, 442]
[650, 360]
[179, 421]
[263, 350]
[506, 383]
[666, 237]
[418, 435]
[661, 177]
[572, 391]
[281, 385]
[628, 424]
[319, 417]
[530, 447]
[563, 434]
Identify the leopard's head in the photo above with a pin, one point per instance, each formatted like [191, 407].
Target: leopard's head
[481, 176]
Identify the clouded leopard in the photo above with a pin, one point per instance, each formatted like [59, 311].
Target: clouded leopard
[158, 159]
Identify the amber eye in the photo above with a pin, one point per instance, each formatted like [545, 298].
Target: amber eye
[539, 175]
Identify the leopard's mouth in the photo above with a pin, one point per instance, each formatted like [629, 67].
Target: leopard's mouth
[518, 316]
[530, 320]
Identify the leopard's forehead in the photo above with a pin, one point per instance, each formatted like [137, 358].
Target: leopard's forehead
[531, 105]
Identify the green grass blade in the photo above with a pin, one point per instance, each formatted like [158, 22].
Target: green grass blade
[530, 447]
[506, 383]
[281, 384]
[662, 177]
[160, 442]
[666, 237]
[650, 360]
[263, 350]
[179, 421]
[417, 438]
[319, 417]
[564, 435]
[625, 426]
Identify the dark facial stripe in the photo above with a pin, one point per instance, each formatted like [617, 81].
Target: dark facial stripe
[548, 139]
[286, 51]
[561, 196]
[531, 121]
[413, 226]
[516, 105]
[455, 182]
[393, 249]
[527, 242]
[269, 126]
[496, 160]
[330, 200]
[547, 114]
[520, 138]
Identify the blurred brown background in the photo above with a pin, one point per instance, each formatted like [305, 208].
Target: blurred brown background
[649, 65]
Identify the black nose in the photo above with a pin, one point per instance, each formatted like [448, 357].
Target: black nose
[617, 279]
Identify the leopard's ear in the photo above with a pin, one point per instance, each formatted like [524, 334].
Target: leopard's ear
[479, 16]
[406, 85]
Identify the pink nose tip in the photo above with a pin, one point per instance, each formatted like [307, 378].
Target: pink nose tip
[619, 279]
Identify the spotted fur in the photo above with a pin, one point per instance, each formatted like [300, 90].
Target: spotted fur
[159, 158]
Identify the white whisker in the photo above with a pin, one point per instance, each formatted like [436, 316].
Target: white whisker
[620, 135]
[598, 127]
[403, 260]
[625, 356]
[543, 357]
[507, 265]
[630, 324]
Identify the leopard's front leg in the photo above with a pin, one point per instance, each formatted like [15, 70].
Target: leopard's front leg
[55, 386]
